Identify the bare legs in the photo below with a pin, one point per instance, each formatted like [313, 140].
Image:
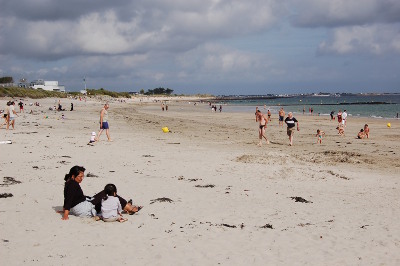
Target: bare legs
[261, 134]
[291, 140]
[107, 133]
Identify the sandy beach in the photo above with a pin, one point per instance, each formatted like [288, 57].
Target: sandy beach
[231, 201]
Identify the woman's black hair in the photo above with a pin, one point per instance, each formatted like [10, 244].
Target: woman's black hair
[74, 171]
[109, 190]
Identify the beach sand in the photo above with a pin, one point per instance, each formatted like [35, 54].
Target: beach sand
[232, 202]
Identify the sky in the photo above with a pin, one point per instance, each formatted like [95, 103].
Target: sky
[217, 47]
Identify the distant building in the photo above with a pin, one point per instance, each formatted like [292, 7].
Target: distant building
[47, 85]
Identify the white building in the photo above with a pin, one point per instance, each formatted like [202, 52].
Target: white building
[47, 85]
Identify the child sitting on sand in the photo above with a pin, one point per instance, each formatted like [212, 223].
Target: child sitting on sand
[110, 205]
[361, 134]
[93, 138]
[366, 131]
[340, 130]
[319, 135]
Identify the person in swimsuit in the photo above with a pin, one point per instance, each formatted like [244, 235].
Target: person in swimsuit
[269, 115]
[104, 122]
[366, 131]
[319, 135]
[281, 116]
[263, 120]
[361, 134]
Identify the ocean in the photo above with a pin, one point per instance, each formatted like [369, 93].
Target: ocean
[385, 106]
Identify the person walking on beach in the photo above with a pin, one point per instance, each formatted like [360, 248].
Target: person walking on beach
[104, 122]
[269, 115]
[290, 122]
[263, 120]
[281, 116]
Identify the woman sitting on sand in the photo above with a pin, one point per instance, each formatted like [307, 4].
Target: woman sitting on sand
[76, 203]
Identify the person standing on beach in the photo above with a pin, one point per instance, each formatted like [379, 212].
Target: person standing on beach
[290, 122]
[332, 113]
[263, 120]
[104, 122]
[21, 106]
[11, 115]
[269, 115]
[281, 116]
[339, 118]
[344, 117]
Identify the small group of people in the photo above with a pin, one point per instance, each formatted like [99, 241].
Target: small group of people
[290, 121]
[364, 132]
[9, 115]
[164, 106]
[105, 205]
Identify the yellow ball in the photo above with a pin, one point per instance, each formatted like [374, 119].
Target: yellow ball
[389, 125]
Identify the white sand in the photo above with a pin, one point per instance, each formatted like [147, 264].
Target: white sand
[353, 186]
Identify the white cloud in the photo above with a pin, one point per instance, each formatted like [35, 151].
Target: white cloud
[376, 39]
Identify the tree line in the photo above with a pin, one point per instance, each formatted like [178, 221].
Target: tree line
[6, 80]
[157, 91]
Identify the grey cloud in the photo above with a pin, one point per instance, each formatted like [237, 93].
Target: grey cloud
[337, 13]
[38, 10]
[96, 27]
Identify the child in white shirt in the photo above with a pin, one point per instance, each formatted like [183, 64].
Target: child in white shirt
[110, 206]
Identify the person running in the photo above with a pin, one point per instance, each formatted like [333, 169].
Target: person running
[104, 122]
[263, 120]
[281, 116]
[291, 124]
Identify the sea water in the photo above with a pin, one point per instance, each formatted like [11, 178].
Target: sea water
[375, 106]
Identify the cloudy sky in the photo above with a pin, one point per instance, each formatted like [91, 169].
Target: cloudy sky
[204, 46]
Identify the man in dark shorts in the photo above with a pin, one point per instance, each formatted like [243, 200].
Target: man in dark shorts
[104, 122]
[281, 116]
[291, 123]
